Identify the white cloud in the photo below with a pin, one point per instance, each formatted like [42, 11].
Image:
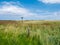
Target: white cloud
[47, 15]
[8, 8]
[50, 1]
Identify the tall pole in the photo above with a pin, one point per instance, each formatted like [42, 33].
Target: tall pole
[22, 19]
[22, 22]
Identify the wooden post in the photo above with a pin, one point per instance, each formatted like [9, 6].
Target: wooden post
[28, 31]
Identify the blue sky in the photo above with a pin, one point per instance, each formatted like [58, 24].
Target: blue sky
[30, 9]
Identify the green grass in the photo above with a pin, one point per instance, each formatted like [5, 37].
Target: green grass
[40, 33]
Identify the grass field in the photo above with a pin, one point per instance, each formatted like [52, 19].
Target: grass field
[29, 32]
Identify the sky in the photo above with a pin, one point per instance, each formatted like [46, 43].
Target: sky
[30, 9]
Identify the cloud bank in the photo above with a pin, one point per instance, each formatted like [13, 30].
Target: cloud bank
[50, 1]
[9, 8]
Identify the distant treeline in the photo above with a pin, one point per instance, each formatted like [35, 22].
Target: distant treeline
[7, 22]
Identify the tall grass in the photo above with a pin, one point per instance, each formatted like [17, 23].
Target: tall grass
[40, 33]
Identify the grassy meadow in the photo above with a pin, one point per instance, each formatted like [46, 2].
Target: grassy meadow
[29, 32]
